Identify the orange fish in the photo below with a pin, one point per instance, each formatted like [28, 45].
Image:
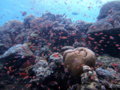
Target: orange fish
[111, 37]
[63, 37]
[23, 74]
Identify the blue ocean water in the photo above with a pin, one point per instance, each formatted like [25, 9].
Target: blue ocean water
[86, 10]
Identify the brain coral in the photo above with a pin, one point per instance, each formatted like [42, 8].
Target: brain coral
[76, 58]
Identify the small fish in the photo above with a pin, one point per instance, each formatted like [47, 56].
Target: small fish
[63, 37]
[100, 33]
[26, 77]
[119, 48]
[90, 38]
[117, 45]
[111, 37]
[48, 44]
[95, 47]
[75, 13]
[103, 37]
[28, 85]
[73, 34]
[23, 74]
[89, 7]
[95, 42]
[24, 13]
[96, 34]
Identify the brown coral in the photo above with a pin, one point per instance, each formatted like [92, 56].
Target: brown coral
[76, 58]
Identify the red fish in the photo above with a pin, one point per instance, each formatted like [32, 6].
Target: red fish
[111, 37]
[23, 74]
[24, 13]
[116, 45]
[63, 37]
[91, 38]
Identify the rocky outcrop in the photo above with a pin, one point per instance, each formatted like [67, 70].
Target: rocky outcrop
[103, 35]
[109, 8]
[17, 57]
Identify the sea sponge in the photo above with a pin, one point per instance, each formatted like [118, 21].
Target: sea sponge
[76, 58]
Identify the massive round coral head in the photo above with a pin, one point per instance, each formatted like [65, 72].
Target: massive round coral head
[76, 58]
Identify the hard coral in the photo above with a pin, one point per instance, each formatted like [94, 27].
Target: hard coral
[42, 69]
[76, 58]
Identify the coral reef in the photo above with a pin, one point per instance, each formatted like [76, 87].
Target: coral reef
[54, 32]
[53, 53]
